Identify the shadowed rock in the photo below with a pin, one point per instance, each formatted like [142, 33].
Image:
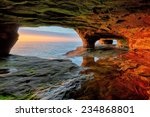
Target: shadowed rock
[89, 38]
[8, 37]
[106, 42]
[93, 19]
[115, 77]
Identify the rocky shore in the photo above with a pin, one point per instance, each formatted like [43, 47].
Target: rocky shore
[116, 74]
[112, 74]
[125, 21]
[35, 78]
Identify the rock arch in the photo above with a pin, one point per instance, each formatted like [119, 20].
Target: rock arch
[89, 38]
[105, 41]
[92, 19]
[121, 43]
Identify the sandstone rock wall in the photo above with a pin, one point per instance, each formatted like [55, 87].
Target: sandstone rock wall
[127, 20]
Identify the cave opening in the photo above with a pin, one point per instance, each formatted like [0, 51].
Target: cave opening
[117, 43]
[46, 41]
[107, 43]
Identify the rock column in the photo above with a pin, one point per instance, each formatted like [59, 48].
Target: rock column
[88, 38]
[8, 37]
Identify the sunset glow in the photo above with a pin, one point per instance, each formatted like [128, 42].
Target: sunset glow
[45, 35]
[42, 38]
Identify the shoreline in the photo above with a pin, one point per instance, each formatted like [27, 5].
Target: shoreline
[106, 77]
[38, 78]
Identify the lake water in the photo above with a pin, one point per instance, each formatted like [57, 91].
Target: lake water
[47, 42]
[113, 78]
[47, 50]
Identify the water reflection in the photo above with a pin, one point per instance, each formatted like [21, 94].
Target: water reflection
[115, 78]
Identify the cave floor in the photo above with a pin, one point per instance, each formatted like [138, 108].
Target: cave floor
[112, 74]
[118, 74]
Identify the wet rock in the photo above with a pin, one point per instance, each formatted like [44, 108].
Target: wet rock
[36, 77]
[65, 91]
[124, 20]
[124, 77]
[99, 51]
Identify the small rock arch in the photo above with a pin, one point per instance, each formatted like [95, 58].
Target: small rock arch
[120, 43]
[90, 37]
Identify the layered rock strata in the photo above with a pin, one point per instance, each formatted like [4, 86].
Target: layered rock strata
[126, 21]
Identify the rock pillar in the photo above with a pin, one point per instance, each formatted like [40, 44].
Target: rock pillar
[88, 38]
[8, 37]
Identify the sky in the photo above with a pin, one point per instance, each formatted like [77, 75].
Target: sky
[47, 34]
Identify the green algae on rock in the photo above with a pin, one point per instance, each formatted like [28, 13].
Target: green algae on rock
[37, 78]
[116, 77]
[125, 20]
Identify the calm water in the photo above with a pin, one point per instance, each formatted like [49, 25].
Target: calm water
[48, 42]
[112, 78]
[48, 50]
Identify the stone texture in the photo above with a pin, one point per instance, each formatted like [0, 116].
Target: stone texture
[35, 78]
[116, 75]
[125, 20]
[105, 74]
[123, 77]
[8, 37]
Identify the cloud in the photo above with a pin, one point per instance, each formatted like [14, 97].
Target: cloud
[51, 34]
[48, 32]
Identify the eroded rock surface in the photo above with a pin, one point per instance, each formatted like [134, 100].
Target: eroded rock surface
[113, 74]
[115, 77]
[124, 76]
[35, 78]
[125, 20]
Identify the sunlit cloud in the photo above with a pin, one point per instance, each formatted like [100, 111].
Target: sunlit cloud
[44, 34]
[42, 38]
